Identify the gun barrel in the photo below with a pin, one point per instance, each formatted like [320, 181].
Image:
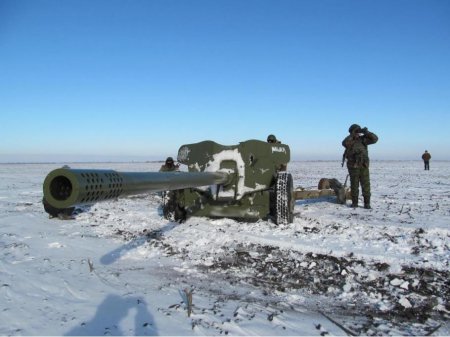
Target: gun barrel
[64, 188]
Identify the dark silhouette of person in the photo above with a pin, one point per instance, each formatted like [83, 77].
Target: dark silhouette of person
[426, 159]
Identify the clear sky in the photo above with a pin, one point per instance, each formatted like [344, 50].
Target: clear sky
[107, 80]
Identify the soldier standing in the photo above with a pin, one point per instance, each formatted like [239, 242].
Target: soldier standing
[426, 159]
[357, 156]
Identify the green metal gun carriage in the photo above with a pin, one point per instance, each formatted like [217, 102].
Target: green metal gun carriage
[247, 182]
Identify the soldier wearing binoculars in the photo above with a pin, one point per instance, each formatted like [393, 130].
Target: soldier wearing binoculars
[357, 156]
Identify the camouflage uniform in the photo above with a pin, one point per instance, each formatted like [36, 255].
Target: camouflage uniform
[357, 156]
[169, 166]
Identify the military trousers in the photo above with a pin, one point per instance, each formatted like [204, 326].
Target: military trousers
[359, 176]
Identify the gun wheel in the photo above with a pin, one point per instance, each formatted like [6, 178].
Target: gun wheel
[284, 212]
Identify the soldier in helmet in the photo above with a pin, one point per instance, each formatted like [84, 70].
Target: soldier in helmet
[272, 139]
[357, 156]
[169, 166]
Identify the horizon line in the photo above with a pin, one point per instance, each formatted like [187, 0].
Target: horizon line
[162, 161]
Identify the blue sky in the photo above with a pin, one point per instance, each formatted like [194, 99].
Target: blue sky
[107, 80]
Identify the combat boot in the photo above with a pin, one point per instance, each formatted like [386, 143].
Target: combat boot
[354, 202]
[367, 203]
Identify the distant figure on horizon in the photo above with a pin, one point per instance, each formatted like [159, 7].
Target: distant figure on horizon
[357, 156]
[426, 159]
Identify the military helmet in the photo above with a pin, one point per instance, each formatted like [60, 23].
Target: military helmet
[353, 127]
[271, 139]
[169, 160]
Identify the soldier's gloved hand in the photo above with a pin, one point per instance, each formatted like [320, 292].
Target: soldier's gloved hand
[364, 131]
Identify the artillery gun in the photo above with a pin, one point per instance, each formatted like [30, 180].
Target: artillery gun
[247, 182]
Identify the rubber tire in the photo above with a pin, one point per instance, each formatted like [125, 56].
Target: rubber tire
[285, 202]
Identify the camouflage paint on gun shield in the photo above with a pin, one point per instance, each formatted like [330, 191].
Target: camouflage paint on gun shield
[241, 181]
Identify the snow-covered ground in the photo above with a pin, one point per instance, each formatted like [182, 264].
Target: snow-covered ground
[120, 268]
